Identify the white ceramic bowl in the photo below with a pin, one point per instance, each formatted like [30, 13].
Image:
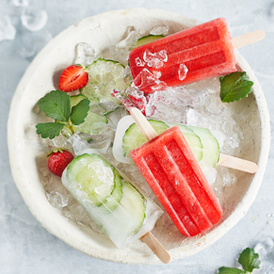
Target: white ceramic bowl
[24, 148]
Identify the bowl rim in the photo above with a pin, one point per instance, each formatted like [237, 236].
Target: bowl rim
[74, 236]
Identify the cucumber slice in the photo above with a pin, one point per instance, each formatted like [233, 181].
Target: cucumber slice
[75, 99]
[133, 136]
[192, 139]
[104, 76]
[131, 211]
[147, 39]
[94, 123]
[134, 202]
[114, 199]
[211, 151]
[92, 177]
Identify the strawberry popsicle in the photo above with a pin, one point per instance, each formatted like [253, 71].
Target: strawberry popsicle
[171, 170]
[201, 52]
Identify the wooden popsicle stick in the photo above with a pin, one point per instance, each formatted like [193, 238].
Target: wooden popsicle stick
[225, 160]
[150, 240]
[142, 123]
[247, 39]
[237, 163]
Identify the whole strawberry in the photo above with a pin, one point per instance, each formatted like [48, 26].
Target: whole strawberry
[58, 161]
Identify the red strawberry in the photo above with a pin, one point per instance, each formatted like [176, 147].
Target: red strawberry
[72, 78]
[58, 161]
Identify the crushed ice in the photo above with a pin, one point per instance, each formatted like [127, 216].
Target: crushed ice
[155, 60]
[197, 104]
[7, 30]
[182, 72]
[160, 30]
[20, 3]
[265, 250]
[85, 54]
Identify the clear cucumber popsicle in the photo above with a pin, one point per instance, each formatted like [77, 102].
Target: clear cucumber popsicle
[121, 211]
[175, 177]
[201, 52]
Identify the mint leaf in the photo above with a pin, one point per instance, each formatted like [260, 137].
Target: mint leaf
[49, 130]
[56, 105]
[79, 112]
[235, 86]
[230, 270]
[249, 259]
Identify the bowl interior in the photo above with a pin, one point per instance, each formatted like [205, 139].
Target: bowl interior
[27, 151]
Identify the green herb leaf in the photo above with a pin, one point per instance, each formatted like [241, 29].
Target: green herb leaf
[230, 270]
[235, 86]
[79, 112]
[249, 259]
[49, 130]
[56, 105]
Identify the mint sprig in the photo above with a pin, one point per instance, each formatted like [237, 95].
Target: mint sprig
[57, 106]
[249, 261]
[235, 86]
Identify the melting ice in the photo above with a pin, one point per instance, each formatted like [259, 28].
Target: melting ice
[33, 19]
[7, 30]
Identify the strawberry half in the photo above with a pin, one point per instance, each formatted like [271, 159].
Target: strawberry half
[58, 161]
[73, 77]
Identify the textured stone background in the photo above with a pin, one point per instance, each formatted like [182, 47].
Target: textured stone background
[25, 246]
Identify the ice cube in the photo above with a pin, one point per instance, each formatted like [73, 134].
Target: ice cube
[78, 144]
[131, 38]
[160, 30]
[28, 47]
[155, 60]
[209, 171]
[139, 62]
[20, 3]
[121, 50]
[7, 30]
[182, 71]
[146, 78]
[85, 54]
[34, 19]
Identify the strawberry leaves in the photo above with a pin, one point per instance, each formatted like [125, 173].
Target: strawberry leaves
[79, 112]
[57, 106]
[235, 86]
[49, 130]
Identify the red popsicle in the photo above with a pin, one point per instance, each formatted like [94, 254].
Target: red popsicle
[171, 170]
[201, 52]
